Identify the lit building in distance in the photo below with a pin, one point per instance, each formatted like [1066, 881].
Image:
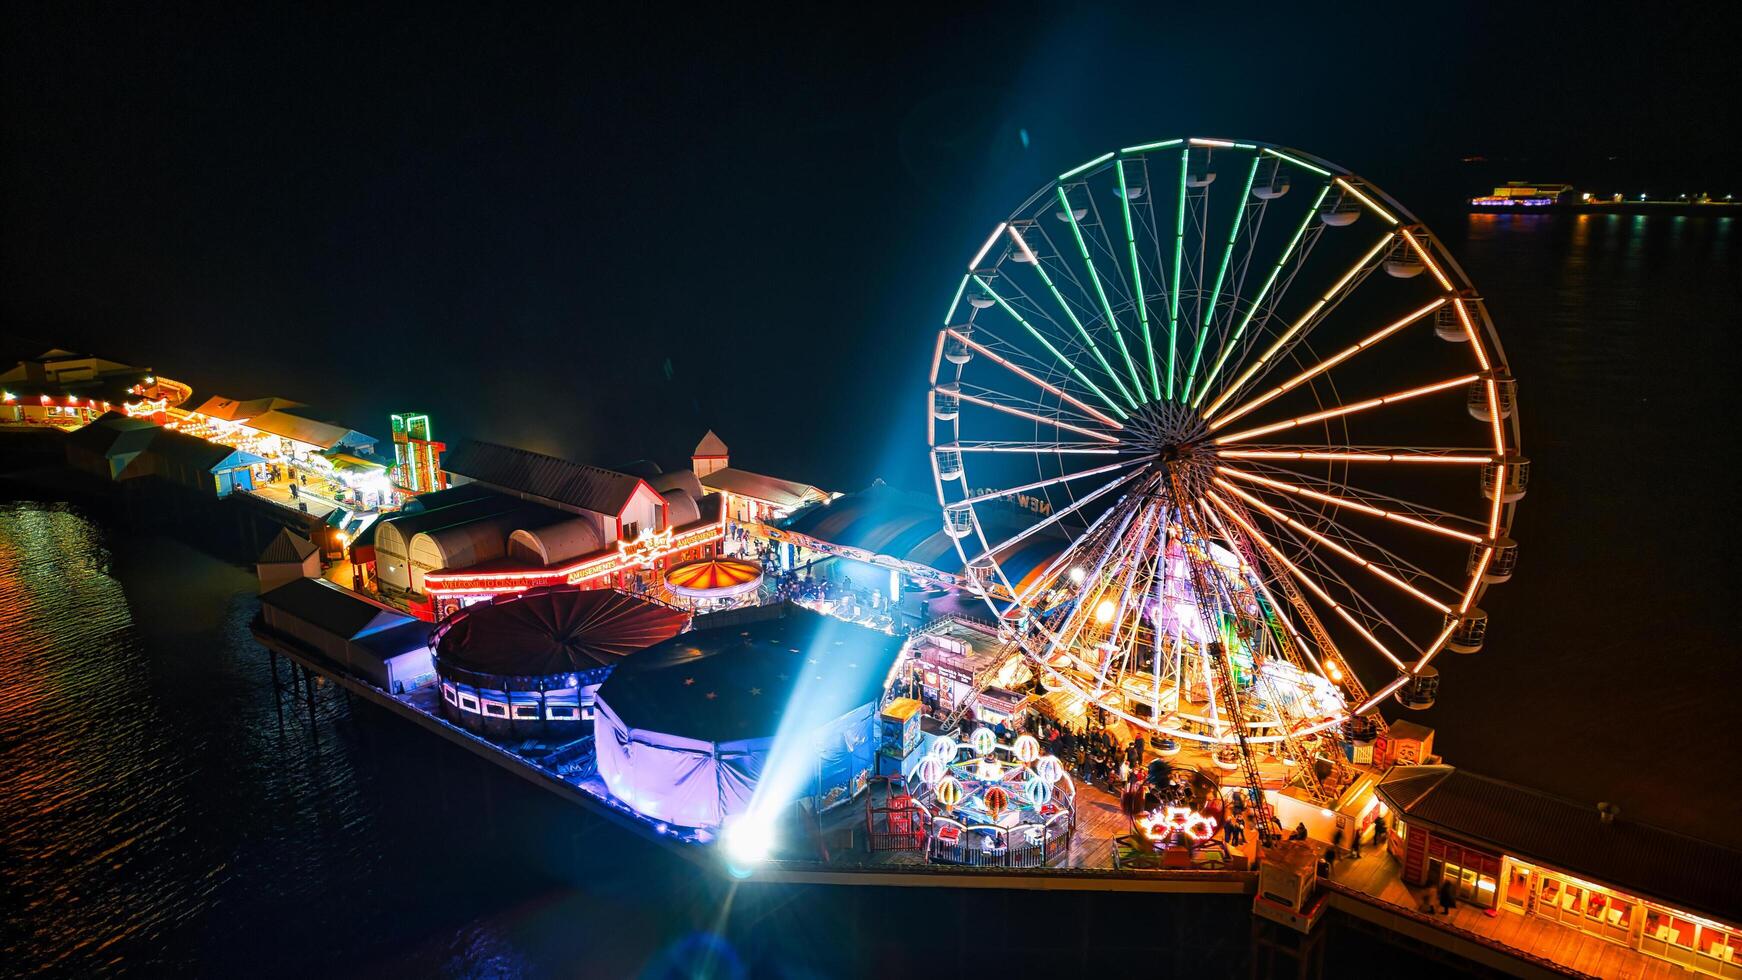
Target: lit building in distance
[277, 428]
[1519, 193]
[67, 390]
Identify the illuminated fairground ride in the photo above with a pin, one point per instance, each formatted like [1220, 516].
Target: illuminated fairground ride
[1210, 470]
[995, 804]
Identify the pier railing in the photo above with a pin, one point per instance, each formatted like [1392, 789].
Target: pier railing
[1398, 919]
[1029, 845]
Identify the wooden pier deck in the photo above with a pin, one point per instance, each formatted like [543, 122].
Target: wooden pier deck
[1373, 879]
[1379, 875]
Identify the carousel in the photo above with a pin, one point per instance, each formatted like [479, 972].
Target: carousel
[708, 584]
[995, 805]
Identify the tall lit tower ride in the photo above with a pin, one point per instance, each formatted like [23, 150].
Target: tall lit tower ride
[417, 457]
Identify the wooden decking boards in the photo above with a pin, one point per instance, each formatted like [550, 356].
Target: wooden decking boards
[1379, 875]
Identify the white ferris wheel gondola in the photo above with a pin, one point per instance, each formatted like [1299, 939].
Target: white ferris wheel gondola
[1209, 472]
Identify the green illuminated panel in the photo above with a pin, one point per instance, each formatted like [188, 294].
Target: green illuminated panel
[1100, 293]
[1164, 144]
[951, 312]
[1221, 276]
[1137, 282]
[1298, 162]
[1179, 245]
[1103, 158]
[1074, 370]
[1082, 331]
[1252, 310]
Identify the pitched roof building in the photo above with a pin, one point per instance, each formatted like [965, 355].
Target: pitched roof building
[546, 479]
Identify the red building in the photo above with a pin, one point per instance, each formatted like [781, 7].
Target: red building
[1520, 851]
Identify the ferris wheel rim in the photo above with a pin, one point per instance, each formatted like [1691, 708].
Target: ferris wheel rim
[1104, 408]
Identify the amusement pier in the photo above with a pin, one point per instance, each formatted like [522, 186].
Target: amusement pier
[1225, 454]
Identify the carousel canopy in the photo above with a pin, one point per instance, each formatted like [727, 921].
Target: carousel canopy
[554, 631]
[713, 578]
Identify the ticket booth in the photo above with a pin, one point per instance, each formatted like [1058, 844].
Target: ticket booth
[899, 726]
[1404, 743]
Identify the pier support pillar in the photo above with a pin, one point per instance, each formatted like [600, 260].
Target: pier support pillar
[1278, 951]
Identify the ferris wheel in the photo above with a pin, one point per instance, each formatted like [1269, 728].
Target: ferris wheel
[1227, 442]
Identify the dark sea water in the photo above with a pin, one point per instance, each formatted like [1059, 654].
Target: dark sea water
[162, 813]
[1610, 671]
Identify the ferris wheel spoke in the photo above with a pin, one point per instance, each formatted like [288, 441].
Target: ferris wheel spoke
[1349, 187]
[1327, 364]
[1341, 410]
[1228, 346]
[1360, 607]
[1137, 280]
[1366, 454]
[1034, 379]
[1067, 554]
[1066, 478]
[1035, 417]
[1378, 554]
[1057, 515]
[1070, 215]
[1276, 514]
[1075, 346]
[1064, 361]
[1088, 340]
[1146, 212]
[1036, 448]
[1309, 581]
[1350, 503]
[1304, 324]
[1222, 272]
[1178, 283]
[1358, 502]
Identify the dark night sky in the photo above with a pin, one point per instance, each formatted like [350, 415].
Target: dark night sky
[516, 219]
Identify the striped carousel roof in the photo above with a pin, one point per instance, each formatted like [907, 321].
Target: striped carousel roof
[708, 578]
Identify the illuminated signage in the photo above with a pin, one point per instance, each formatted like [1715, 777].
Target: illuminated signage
[646, 548]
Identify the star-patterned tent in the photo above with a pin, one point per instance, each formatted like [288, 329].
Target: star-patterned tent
[684, 728]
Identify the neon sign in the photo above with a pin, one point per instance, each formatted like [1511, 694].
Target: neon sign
[646, 548]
